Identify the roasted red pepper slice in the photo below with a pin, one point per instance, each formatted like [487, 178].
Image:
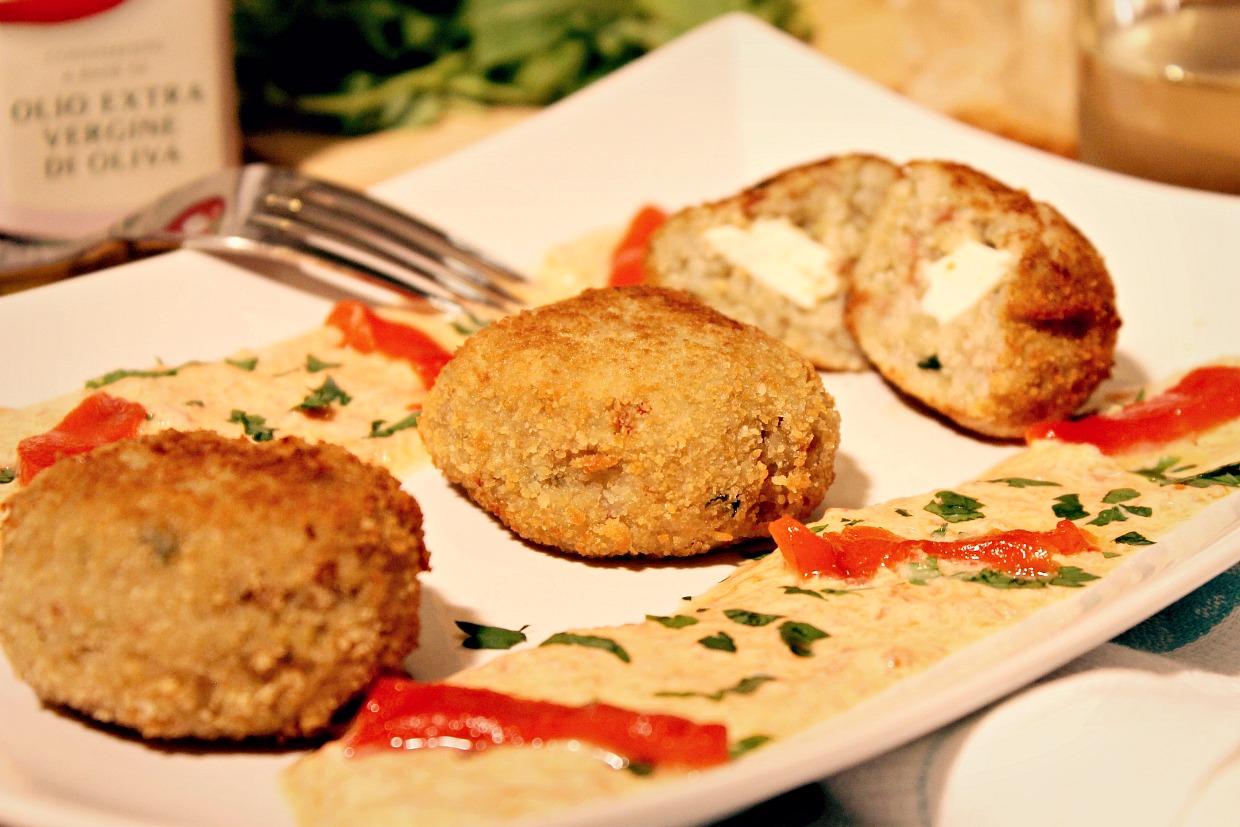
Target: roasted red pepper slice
[400, 713]
[1204, 398]
[366, 331]
[628, 260]
[856, 552]
[97, 420]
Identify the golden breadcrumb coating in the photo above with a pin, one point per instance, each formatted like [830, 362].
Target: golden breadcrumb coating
[191, 585]
[632, 421]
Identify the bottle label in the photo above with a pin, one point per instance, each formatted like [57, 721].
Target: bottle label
[102, 114]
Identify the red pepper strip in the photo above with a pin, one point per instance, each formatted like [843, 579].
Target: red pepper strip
[366, 331]
[97, 420]
[628, 261]
[856, 552]
[1204, 398]
[403, 714]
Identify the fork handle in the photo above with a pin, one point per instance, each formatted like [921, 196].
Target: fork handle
[30, 265]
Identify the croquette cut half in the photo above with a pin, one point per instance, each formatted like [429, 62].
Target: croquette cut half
[985, 305]
[780, 254]
[632, 421]
[191, 585]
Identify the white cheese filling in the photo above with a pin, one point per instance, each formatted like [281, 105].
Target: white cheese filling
[780, 255]
[959, 280]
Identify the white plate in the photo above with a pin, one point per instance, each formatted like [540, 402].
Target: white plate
[711, 113]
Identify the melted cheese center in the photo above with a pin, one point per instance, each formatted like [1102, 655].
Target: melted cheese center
[780, 255]
[960, 279]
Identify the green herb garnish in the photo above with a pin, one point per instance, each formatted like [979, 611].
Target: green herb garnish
[904, 512]
[745, 686]
[380, 431]
[639, 767]
[197, 403]
[941, 531]
[1120, 495]
[748, 618]
[673, 622]
[931, 362]
[117, 375]
[799, 590]
[244, 364]
[7, 475]
[478, 636]
[591, 641]
[720, 640]
[255, 426]
[1107, 516]
[1139, 510]
[800, 637]
[314, 364]
[1001, 580]
[919, 571]
[1023, 482]
[746, 744]
[954, 508]
[1110, 554]
[324, 395]
[1133, 538]
[1068, 507]
[1071, 577]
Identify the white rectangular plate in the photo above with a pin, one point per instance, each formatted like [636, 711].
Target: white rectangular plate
[712, 113]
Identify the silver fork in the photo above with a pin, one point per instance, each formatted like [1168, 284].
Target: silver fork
[273, 213]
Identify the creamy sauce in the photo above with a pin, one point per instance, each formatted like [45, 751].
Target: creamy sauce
[884, 631]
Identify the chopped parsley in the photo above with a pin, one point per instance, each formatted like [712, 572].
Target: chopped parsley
[324, 395]
[640, 768]
[852, 521]
[1069, 577]
[954, 508]
[919, 571]
[1228, 475]
[904, 512]
[117, 375]
[1133, 538]
[7, 475]
[1024, 482]
[1139, 510]
[314, 364]
[745, 686]
[675, 621]
[721, 641]
[469, 328]
[746, 744]
[931, 362]
[380, 431]
[799, 590]
[255, 426]
[1068, 507]
[197, 403]
[800, 637]
[941, 531]
[1107, 516]
[1110, 554]
[591, 641]
[748, 618]
[1120, 495]
[478, 636]
[244, 364]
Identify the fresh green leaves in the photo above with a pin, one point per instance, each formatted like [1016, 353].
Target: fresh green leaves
[744, 745]
[745, 686]
[1133, 538]
[931, 362]
[244, 364]
[921, 571]
[1068, 507]
[478, 636]
[314, 364]
[380, 431]
[1024, 482]
[117, 375]
[7, 475]
[1107, 516]
[1120, 495]
[955, 508]
[904, 512]
[1071, 577]
[324, 395]
[673, 622]
[800, 637]
[799, 590]
[721, 641]
[748, 618]
[255, 426]
[590, 641]
[1227, 475]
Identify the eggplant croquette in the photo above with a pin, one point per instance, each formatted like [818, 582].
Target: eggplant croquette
[190, 585]
[632, 421]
